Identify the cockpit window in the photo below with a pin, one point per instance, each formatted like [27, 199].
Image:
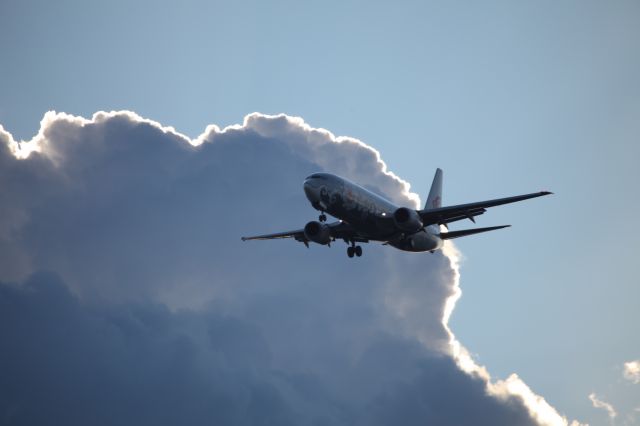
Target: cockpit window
[317, 176]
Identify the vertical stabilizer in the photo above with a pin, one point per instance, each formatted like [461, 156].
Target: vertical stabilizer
[434, 200]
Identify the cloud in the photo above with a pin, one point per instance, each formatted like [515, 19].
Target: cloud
[127, 295]
[632, 371]
[597, 403]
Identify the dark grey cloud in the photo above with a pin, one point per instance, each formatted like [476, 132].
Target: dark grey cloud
[67, 362]
[153, 312]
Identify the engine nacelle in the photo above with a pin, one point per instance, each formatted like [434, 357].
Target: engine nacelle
[407, 220]
[317, 232]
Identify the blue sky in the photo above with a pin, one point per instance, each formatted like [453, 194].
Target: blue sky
[507, 98]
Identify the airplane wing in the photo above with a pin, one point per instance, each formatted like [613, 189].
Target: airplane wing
[298, 234]
[444, 215]
[339, 230]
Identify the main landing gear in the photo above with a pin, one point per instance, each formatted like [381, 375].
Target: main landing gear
[354, 250]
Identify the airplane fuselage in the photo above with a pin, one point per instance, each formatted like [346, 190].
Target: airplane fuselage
[367, 212]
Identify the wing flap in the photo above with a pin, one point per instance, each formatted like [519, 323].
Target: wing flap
[469, 215]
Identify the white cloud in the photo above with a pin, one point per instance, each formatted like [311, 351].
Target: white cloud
[537, 406]
[632, 371]
[598, 403]
[125, 210]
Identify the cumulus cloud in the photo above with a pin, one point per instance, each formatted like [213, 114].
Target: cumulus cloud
[632, 371]
[127, 295]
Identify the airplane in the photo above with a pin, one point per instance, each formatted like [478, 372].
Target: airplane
[365, 216]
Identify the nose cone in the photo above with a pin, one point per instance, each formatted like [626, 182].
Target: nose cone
[310, 189]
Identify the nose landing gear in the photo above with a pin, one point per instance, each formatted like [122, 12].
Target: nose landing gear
[322, 217]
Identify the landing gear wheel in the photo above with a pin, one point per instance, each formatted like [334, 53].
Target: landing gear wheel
[358, 251]
[350, 251]
[322, 217]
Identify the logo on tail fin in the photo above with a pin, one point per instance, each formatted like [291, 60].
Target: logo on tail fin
[434, 200]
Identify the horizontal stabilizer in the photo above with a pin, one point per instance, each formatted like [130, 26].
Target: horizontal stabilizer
[465, 232]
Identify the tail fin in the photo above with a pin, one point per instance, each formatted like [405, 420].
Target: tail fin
[434, 200]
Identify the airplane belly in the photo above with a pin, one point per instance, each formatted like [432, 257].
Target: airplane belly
[364, 222]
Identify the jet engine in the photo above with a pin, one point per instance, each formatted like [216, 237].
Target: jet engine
[407, 220]
[317, 232]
